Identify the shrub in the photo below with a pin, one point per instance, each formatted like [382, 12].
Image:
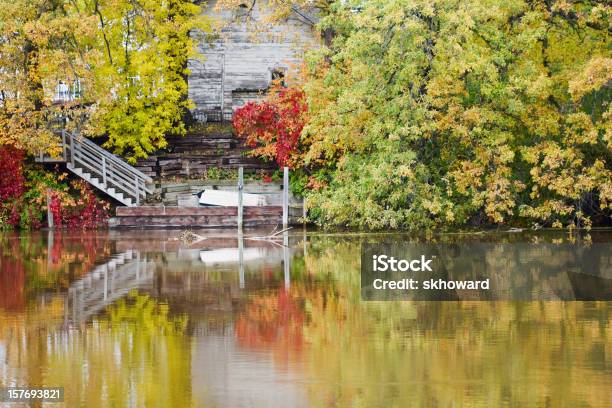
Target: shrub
[273, 127]
[12, 182]
[26, 190]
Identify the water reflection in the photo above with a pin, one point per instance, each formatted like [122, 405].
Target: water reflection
[132, 319]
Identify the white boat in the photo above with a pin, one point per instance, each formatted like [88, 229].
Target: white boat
[229, 198]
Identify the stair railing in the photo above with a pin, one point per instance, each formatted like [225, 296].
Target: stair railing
[109, 169]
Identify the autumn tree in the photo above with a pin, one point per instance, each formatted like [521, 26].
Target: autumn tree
[272, 127]
[271, 12]
[42, 42]
[141, 79]
[128, 60]
[431, 113]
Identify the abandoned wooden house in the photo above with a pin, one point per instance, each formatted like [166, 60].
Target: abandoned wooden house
[242, 59]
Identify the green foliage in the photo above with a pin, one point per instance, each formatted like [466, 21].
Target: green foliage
[442, 113]
[298, 182]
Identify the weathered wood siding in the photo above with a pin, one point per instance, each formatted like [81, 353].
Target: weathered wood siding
[238, 65]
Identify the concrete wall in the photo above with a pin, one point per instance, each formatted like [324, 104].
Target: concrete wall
[238, 63]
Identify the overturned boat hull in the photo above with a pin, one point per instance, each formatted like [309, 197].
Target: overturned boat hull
[230, 198]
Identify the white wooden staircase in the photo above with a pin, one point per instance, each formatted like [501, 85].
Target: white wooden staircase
[102, 169]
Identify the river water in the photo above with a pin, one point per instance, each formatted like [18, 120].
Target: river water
[142, 318]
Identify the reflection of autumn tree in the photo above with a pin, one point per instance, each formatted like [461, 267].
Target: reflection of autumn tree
[30, 262]
[25, 350]
[273, 320]
[136, 355]
[447, 353]
[12, 281]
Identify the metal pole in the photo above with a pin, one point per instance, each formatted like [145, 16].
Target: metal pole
[240, 198]
[285, 196]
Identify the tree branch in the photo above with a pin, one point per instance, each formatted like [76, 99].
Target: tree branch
[103, 26]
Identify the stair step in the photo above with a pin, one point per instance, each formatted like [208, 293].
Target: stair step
[96, 182]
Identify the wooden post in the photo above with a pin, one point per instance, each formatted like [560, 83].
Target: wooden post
[137, 192]
[240, 199]
[304, 211]
[285, 196]
[72, 150]
[50, 221]
[104, 171]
